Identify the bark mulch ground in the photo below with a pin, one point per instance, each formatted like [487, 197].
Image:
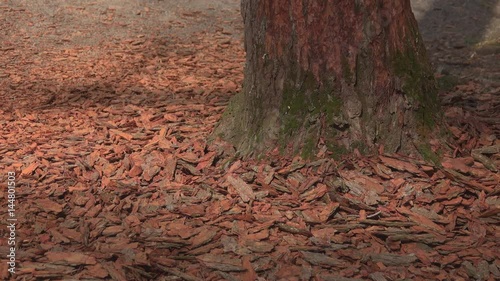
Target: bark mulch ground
[105, 112]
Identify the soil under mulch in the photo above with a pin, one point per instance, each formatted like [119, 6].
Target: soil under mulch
[105, 125]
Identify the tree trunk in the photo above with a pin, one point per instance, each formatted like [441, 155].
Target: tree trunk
[342, 73]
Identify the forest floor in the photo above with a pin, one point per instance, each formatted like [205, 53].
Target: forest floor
[105, 107]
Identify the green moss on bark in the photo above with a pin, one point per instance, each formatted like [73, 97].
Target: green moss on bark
[337, 150]
[304, 106]
[428, 154]
[418, 85]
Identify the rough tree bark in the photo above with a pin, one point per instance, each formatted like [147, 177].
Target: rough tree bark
[341, 73]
